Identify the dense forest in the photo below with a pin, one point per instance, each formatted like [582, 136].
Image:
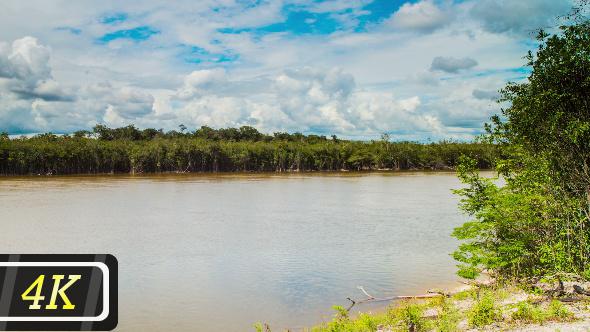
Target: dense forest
[131, 150]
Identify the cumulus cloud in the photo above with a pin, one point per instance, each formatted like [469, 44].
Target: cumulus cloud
[63, 80]
[25, 71]
[31, 99]
[199, 82]
[423, 16]
[308, 99]
[452, 65]
[501, 16]
[25, 59]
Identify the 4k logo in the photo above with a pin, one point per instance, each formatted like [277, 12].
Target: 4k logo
[38, 285]
[58, 292]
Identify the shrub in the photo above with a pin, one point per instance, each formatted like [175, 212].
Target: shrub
[537, 222]
[558, 311]
[448, 318]
[484, 311]
[529, 313]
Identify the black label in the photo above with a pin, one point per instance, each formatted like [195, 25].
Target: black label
[58, 292]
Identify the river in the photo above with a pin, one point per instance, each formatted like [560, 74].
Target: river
[221, 252]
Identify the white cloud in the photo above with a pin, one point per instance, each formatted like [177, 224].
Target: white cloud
[350, 82]
[202, 81]
[112, 118]
[25, 71]
[32, 100]
[424, 16]
[312, 100]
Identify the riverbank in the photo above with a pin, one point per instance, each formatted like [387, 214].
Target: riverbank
[482, 306]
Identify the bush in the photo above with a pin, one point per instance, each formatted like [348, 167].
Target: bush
[558, 311]
[448, 318]
[528, 313]
[538, 222]
[484, 311]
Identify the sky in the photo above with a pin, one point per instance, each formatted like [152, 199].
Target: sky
[416, 70]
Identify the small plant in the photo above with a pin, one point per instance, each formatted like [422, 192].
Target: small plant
[412, 317]
[341, 313]
[448, 318]
[558, 311]
[464, 295]
[343, 323]
[527, 312]
[366, 322]
[484, 311]
[260, 327]
[408, 316]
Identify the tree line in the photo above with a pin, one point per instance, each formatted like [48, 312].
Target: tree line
[131, 150]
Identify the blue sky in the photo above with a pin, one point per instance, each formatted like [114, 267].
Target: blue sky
[418, 70]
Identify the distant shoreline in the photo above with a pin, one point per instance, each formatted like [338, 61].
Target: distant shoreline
[133, 151]
[244, 173]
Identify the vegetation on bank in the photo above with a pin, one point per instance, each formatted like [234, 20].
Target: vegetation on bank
[498, 308]
[130, 150]
[538, 222]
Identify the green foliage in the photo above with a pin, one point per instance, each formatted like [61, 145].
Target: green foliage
[465, 295]
[341, 312]
[130, 150]
[484, 311]
[534, 220]
[448, 317]
[407, 316]
[260, 327]
[342, 322]
[411, 315]
[558, 311]
[550, 115]
[529, 313]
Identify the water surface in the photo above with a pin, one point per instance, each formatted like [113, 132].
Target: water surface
[218, 253]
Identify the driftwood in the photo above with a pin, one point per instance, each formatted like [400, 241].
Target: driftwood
[371, 298]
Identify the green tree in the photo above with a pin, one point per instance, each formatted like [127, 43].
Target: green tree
[537, 223]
